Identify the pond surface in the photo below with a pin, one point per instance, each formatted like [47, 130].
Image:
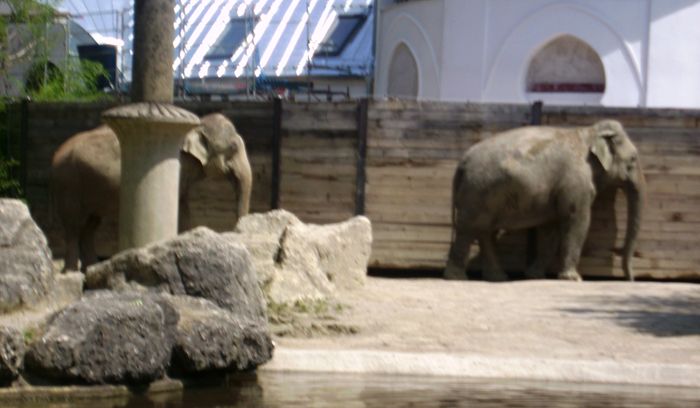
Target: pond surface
[333, 390]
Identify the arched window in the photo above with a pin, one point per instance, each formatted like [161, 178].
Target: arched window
[566, 65]
[403, 73]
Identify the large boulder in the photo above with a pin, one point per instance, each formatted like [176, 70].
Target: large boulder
[105, 338]
[209, 338]
[343, 249]
[26, 269]
[305, 262]
[11, 354]
[199, 263]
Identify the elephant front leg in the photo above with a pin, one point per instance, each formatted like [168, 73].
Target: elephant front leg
[456, 268]
[573, 234]
[183, 220]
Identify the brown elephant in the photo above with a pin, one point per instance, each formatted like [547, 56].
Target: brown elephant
[543, 177]
[86, 172]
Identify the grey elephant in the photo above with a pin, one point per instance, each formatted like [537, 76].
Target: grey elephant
[542, 177]
[86, 172]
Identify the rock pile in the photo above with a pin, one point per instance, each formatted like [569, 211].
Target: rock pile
[182, 307]
[189, 305]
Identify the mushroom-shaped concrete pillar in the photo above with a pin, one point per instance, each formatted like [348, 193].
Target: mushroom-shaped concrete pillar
[150, 135]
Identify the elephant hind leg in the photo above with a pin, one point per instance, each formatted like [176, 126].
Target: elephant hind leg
[492, 269]
[456, 266]
[88, 254]
[547, 248]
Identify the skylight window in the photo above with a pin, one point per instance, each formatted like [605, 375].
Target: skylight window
[230, 39]
[344, 31]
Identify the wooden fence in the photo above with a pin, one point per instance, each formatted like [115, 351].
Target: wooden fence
[393, 160]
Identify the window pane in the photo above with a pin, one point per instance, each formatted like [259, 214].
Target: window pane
[230, 39]
[344, 30]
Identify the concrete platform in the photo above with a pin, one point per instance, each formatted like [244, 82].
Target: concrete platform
[609, 332]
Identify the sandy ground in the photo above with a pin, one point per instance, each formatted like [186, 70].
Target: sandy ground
[641, 332]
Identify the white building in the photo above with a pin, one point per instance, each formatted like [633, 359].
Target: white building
[608, 52]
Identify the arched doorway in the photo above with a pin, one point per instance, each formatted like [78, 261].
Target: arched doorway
[566, 69]
[403, 73]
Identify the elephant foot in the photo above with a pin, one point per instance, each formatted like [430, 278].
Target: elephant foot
[453, 272]
[496, 277]
[535, 273]
[571, 275]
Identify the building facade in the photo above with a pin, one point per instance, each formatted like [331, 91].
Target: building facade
[599, 52]
[244, 47]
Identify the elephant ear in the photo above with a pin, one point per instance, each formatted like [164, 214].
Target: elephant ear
[197, 145]
[602, 144]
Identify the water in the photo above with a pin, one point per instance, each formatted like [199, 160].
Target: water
[354, 391]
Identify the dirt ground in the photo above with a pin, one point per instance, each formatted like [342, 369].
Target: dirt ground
[642, 323]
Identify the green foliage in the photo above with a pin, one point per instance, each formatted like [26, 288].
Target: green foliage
[28, 39]
[9, 185]
[29, 336]
[77, 82]
[9, 182]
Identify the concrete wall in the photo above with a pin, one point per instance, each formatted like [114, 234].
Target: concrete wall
[482, 48]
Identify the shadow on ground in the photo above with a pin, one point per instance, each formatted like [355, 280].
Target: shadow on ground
[660, 316]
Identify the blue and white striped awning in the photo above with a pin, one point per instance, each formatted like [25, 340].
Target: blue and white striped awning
[284, 38]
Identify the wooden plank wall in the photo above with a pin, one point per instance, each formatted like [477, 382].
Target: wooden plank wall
[669, 147]
[413, 148]
[318, 160]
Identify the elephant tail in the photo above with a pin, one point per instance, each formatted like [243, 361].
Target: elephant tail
[456, 182]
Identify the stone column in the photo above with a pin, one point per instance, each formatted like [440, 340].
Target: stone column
[152, 74]
[150, 136]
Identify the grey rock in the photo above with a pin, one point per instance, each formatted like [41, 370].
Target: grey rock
[26, 270]
[104, 338]
[300, 262]
[343, 249]
[199, 263]
[11, 354]
[209, 338]
[273, 223]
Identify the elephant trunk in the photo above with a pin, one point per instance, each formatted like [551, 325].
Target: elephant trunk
[634, 191]
[242, 179]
